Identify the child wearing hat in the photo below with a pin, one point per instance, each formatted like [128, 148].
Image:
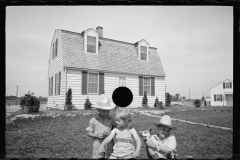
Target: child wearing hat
[164, 142]
[125, 136]
[100, 127]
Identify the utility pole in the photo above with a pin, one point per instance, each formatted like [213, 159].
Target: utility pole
[16, 94]
[189, 94]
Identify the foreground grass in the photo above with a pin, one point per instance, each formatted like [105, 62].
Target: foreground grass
[66, 138]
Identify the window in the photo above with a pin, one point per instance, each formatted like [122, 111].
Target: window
[57, 83]
[143, 53]
[55, 49]
[146, 85]
[50, 86]
[227, 84]
[91, 44]
[122, 81]
[92, 82]
[218, 97]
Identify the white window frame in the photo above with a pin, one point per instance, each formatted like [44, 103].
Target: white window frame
[90, 82]
[218, 97]
[92, 33]
[149, 86]
[88, 36]
[227, 85]
[121, 76]
[145, 53]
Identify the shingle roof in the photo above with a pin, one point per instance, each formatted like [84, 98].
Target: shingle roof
[113, 56]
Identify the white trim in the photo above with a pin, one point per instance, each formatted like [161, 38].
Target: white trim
[88, 82]
[123, 76]
[150, 85]
[92, 34]
[65, 86]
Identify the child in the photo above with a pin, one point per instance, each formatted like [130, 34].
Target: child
[101, 126]
[123, 148]
[164, 142]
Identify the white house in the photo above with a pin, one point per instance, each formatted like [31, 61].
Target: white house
[91, 65]
[222, 94]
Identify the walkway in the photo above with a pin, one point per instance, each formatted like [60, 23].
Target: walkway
[189, 122]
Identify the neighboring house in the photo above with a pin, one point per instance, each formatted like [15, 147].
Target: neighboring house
[208, 100]
[222, 94]
[90, 65]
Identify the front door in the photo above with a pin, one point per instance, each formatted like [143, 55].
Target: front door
[229, 99]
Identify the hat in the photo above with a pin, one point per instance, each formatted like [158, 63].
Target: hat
[103, 103]
[164, 121]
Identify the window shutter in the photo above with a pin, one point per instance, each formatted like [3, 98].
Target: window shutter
[230, 84]
[214, 97]
[55, 84]
[152, 86]
[53, 52]
[59, 83]
[223, 85]
[56, 45]
[84, 82]
[140, 86]
[101, 83]
[220, 97]
[51, 86]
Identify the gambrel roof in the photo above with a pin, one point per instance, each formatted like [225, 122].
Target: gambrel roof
[113, 56]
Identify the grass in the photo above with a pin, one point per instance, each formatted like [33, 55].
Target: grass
[66, 138]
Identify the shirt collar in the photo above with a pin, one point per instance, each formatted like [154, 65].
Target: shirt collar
[97, 117]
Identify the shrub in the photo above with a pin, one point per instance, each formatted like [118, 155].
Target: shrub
[197, 103]
[23, 100]
[145, 100]
[33, 104]
[167, 100]
[160, 105]
[87, 104]
[68, 104]
[156, 102]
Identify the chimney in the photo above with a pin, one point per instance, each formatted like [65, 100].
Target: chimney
[100, 31]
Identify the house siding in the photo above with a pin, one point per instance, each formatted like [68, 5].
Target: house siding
[74, 81]
[56, 66]
[218, 89]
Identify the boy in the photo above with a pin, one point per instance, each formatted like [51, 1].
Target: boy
[100, 126]
[164, 142]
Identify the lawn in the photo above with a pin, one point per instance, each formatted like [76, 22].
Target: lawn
[66, 138]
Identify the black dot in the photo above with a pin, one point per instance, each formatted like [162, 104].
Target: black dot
[122, 96]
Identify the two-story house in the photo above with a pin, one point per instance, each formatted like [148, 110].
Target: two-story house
[90, 65]
[222, 94]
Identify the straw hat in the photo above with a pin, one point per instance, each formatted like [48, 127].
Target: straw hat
[165, 121]
[103, 103]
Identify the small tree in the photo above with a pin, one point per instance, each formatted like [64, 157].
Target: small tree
[197, 103]
[156, 102]
[87, 104]
[33, 104]
[167, 100]
[23, 100]
[68, 103]
[177, 96]
[145, 100]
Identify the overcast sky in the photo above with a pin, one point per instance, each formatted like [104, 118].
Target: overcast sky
[195, 43]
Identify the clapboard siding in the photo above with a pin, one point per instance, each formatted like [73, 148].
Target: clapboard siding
[56, 66]
[74, 78]
[218, 89]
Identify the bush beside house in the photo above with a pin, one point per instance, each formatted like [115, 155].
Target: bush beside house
[197, 103]
[68, 104]
[87, 104]
[145, 100]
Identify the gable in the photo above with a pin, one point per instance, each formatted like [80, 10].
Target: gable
[221, 83]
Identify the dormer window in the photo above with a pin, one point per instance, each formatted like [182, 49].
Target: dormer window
[143, 53]
[143, 47]
[91, 41]
[91, 44]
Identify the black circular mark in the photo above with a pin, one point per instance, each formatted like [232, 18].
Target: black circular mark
[122, 96]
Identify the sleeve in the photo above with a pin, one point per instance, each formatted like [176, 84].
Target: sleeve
[172, 143]
[90, 127]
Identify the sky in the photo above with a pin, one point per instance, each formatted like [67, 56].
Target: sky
[195, 43]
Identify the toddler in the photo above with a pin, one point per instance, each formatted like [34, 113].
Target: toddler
[123, 148]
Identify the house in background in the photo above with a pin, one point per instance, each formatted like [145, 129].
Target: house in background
[90, 65]
[222, 94]
[208, 100]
